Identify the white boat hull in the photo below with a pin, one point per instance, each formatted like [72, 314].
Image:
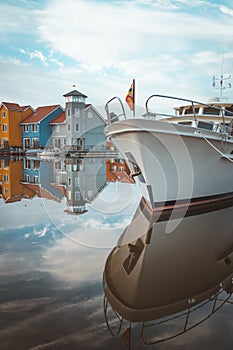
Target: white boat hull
[164, 273]
[177, 162]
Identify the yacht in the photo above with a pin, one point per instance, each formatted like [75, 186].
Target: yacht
[183, 161]
[180, 279]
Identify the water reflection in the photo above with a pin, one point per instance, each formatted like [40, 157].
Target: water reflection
[51, 292]
[50, 286]
[171, 278]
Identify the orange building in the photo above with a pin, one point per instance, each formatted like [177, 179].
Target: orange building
[11, 114]
[117, 170]
[10, 179]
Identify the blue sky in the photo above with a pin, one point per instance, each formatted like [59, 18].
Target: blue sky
[170, 47]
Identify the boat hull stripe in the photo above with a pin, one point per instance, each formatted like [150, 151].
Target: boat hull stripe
[185, 208]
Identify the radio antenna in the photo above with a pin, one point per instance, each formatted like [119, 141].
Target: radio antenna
[219, 82]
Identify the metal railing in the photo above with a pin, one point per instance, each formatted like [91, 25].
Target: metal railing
[111, 116]
[193, 104]
[217, 300]
[220, 111]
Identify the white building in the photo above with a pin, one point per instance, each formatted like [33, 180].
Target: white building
[80, 127]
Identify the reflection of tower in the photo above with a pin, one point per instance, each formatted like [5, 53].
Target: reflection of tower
[75, 114]
[75, 201]
[85, 179]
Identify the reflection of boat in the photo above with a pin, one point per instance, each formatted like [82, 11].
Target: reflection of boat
[179, 158]
[150, 275]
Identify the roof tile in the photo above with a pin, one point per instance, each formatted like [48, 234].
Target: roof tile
[39, 114]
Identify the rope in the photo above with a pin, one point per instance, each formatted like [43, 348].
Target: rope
[217, 150]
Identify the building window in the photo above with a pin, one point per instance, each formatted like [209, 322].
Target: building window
[57, 165]
[4, 127]
[4, 114]
[34, 127]
[5, 178]
[68, 127]
[77, 195]
[6, 190]
[68, 112]
[113, 168]
[36, 164]
[6, 163]
[76, 181]
[57, 128]
[77, 127]
[35, 179]
[77, 112]
[5, 143]
[25, 128]
[26, 143]
[57, 143]
[69, 181]
[26, 177]
[27, 164]
[35, 143]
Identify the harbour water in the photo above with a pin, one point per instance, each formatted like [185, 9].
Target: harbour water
[60, 220]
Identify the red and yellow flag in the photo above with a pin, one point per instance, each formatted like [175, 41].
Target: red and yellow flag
[130, 96]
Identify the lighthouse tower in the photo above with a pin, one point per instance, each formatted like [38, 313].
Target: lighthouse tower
[75, 104]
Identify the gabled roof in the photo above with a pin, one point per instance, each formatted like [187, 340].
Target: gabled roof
[39, 114]
[62, 117]
[59, 119]
[75, 93]
[95, 110]
[15, 106]
[41, 192]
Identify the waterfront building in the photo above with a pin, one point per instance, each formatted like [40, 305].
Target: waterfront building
[81, 127]
[82, 179]
[11, 114]
[36, 130]
[117, 170]
[37, 178]
[12, 189]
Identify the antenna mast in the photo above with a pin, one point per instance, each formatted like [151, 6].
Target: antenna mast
[218, 82]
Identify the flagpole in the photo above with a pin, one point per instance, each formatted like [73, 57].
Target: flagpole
[134, 98]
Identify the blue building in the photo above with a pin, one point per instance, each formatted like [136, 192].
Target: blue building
[36, 130]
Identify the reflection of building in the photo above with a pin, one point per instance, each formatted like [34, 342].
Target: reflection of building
[11, 114]
[36, 128]
[81, 127]
[83, 179]
[117, 170]
[10, 177]
[37, 178]
[78, 180]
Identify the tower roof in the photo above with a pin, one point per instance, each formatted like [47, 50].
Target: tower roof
[75, 93]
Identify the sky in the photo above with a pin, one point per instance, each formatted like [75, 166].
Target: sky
[171, 47]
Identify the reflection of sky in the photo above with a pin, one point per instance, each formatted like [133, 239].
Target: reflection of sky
[105, 219]
[51, 293]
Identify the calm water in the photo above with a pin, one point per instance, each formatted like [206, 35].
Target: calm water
[59, 222]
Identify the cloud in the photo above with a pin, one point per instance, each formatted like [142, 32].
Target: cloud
[127, 32]
[66, 260]
[226, 10]
[101, 46]
[39, 55]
